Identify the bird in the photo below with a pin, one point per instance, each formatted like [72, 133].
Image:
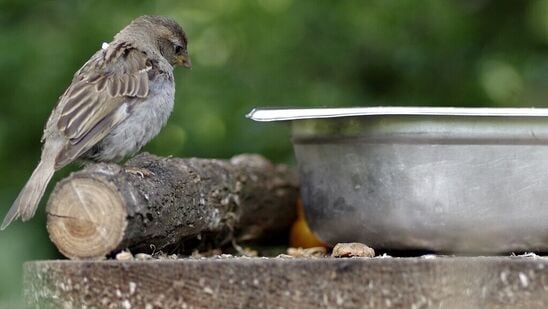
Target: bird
[116, 103]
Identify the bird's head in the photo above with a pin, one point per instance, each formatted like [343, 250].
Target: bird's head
[163, 34]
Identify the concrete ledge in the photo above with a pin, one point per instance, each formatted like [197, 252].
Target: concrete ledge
[446, 282]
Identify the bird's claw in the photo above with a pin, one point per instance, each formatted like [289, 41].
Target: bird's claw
[139, 171]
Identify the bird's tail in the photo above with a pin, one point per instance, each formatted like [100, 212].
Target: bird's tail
[27, 201]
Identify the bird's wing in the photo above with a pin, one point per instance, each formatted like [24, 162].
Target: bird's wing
[93, 103]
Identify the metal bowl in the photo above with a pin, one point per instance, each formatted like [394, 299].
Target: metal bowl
[444, 179]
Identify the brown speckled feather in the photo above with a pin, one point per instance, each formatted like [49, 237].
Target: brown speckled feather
[90, 107]
[117, 102]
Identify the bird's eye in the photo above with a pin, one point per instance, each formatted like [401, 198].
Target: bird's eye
[178, 49]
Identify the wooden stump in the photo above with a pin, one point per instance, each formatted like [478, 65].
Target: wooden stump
[152, 203]
[450, 282]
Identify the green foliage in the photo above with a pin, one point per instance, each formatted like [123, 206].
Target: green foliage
[263, 53]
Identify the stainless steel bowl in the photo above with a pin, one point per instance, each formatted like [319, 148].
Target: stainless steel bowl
[442, 179]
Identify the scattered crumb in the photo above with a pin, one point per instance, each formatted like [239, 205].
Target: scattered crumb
[143, 256]
[308, 252]
[384, 256]
[284, 256]
[209, 253]
[527, 255]
[167, 257]
[124, 256]
[246, 251]
[352, 249]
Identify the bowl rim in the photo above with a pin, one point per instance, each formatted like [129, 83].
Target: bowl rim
[263, 114]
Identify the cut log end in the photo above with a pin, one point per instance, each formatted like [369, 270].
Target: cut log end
[86, 217]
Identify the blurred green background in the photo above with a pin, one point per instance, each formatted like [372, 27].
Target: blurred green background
[261, 53]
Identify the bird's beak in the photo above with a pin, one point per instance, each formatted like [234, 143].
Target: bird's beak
[183, 60]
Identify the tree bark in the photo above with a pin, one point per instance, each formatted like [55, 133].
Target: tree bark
[152, 203]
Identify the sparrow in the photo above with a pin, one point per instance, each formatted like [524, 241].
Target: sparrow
[117, 102]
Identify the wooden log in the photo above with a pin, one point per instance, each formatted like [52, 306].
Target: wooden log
[152, 203]
[447, 282]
